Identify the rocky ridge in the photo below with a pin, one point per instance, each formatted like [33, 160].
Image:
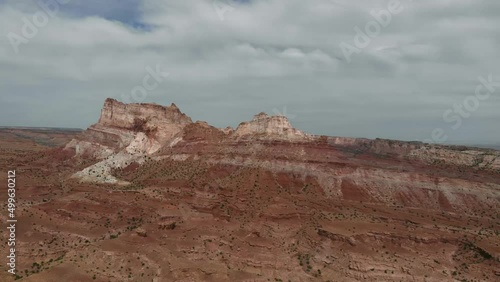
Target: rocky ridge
[127, 133]
[269, 127]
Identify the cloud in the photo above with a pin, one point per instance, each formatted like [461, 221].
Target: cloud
[264, 54]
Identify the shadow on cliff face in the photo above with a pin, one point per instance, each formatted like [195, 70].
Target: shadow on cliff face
[141, 125]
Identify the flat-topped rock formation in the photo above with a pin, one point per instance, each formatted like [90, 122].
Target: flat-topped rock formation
[137, 128]
[269, 127]
[159, 121]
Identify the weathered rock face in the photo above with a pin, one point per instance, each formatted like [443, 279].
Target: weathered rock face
[269, 127]
[156, 121]
[202, 131]
[429, 154]
[137, 128]
[127, 133]
[124, 134]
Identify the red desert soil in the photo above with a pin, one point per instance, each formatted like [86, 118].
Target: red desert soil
[148, 195]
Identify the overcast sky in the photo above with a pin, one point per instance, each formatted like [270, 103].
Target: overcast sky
[229, 62]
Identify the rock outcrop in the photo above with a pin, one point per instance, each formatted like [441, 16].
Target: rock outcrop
[263, 126]
[128, 134]
[156, 121]
[125, 133]
[137, 127]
